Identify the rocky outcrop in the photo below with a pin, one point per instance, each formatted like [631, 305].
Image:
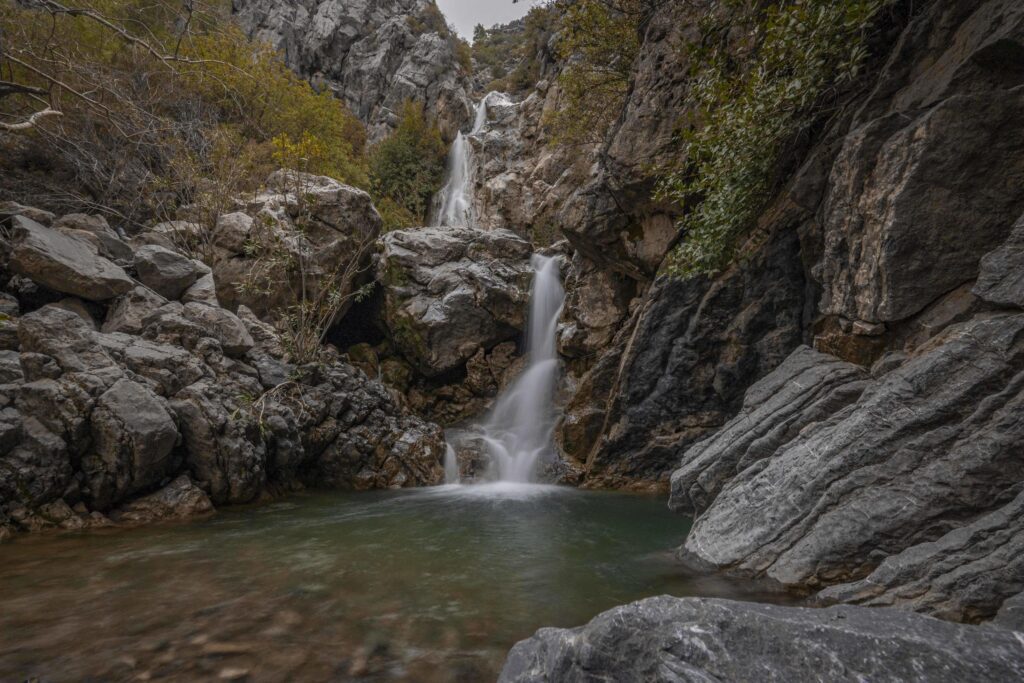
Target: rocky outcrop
[926, 447]
[450, 292]
[372, 54]
[174, 406]
[668, 639]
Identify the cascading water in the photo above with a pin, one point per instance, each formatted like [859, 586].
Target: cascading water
[455, 200]
[520, 428]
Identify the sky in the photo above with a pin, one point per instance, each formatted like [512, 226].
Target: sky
[466, 14]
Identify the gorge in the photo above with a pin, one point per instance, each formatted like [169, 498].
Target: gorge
[636, 340]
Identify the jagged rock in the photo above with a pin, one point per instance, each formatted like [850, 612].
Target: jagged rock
[223, 325]
[38, 469]
[129, 312]
[166, 272]
[373, 54]
[233, 231]
[64, 337]
[699, 639]
[9, 306]
[133, 435]
[181, 499]
[1011, 614]
[808, 388]
[8, 335]
[927, 446]
[964, 576]
[10, 367]
[450, 291]
[64, 264]
[1001, 280]
[9, 210]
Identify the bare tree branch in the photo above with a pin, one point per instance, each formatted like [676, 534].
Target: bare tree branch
[31, 121]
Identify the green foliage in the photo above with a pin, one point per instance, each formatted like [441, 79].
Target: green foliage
[599, 41]
[407, 168]
[157, 95]
[752, 98]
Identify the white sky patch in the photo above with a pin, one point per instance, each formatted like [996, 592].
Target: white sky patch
[466, 14]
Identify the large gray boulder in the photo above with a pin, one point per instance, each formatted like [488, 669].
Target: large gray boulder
[698, 640]
[63, 263]
[450, 291]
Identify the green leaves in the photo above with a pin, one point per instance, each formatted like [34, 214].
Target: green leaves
[750, 98]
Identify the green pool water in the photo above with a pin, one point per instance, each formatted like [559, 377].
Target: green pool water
[425, 585]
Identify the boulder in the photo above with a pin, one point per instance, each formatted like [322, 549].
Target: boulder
[699, 639]
[179, 500]
[166, 272]
[64, 264]
[133, 435]
[450, 291]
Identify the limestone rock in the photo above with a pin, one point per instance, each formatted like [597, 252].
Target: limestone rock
[110, 243]
[166, 272]
[372, 54]
[699, 639]
[64, 264]
[450, 291]
[223, 325]
[130, 310]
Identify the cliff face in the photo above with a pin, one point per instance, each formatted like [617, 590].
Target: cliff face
[373, 54]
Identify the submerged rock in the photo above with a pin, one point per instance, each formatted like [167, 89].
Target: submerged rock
[698, 639]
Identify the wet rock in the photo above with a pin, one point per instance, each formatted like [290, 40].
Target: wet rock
[166, 272]
[181, 499]
[64, 264]
[133, 435]
[450, 291]
[928, 445]
[698, 639]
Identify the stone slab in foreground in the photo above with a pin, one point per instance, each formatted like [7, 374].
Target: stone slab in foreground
[700, 639]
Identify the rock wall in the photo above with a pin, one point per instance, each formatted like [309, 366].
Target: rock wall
[372, 54]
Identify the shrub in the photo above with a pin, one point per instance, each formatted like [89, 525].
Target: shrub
[407, 168]
[154, 95]
[751, 99]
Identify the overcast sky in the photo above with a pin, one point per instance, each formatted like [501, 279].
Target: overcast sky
[466, 14]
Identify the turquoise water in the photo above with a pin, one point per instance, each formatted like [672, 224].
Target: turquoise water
[426, 585]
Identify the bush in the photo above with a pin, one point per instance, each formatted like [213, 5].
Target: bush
[407, 168]
[154, 96]
[751, 99]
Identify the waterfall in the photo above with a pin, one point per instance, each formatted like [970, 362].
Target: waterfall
[455, 200]
[521, 425]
